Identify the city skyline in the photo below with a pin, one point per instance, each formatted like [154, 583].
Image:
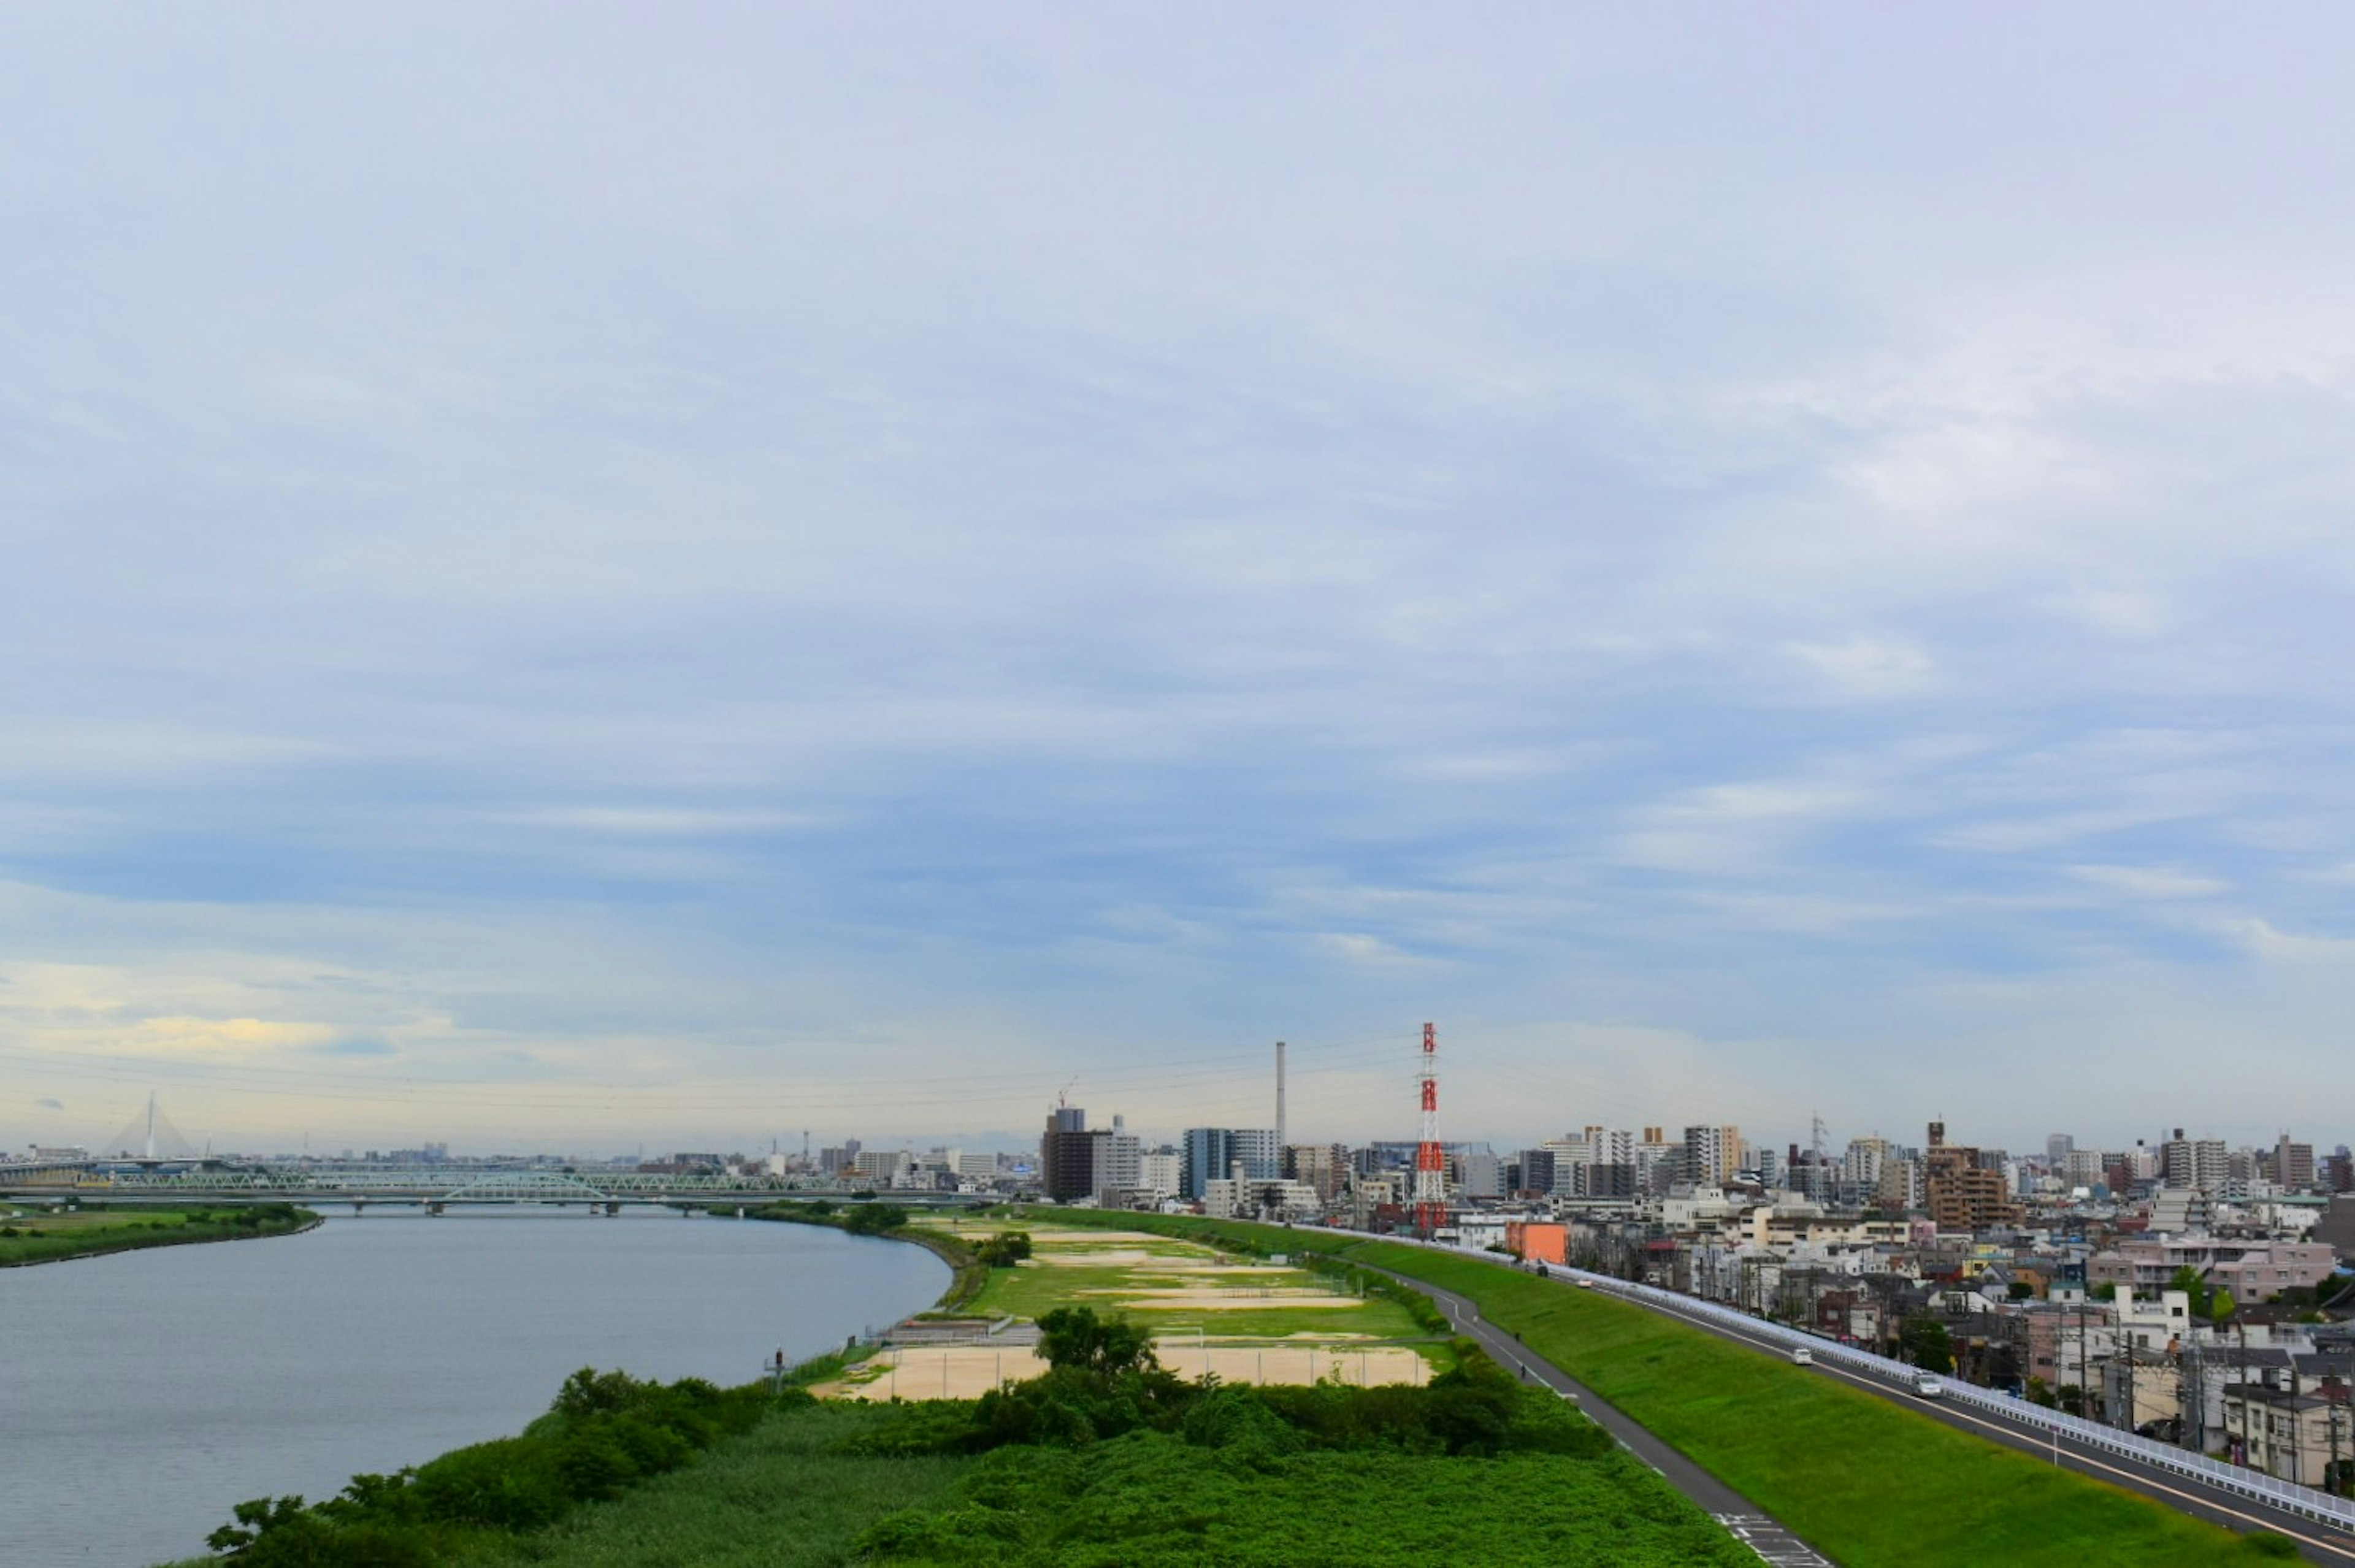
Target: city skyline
[636, 577]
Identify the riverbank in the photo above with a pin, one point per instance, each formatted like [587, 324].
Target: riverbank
[32, 1237]
[1103, 1457]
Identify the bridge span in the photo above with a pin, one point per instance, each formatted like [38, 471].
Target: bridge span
[433, 1187]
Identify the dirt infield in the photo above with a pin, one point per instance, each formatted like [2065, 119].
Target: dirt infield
[1247, 1299]
[968, 1372]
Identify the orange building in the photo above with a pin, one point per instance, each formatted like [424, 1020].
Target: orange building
[1539, 1241]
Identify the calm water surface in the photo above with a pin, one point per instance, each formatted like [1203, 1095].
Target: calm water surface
[141, 1395]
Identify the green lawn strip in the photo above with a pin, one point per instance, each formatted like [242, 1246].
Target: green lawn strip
[88, 1232]
[1869, 1483]
[776, 1497]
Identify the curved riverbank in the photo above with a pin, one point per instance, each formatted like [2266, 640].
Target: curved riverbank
[889, 1222]
[26, 1240]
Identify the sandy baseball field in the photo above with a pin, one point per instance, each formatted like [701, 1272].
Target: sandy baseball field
[968, 1372]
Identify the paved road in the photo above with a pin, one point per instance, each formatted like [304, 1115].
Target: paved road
[2190, 1495]
[1747, 1522]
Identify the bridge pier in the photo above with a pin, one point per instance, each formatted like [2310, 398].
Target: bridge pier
[437, 1206]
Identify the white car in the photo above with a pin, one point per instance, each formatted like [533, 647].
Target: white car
[1802, 1357]
[1926, 1386]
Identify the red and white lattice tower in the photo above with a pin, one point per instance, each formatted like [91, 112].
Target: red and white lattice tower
[1429, 1165]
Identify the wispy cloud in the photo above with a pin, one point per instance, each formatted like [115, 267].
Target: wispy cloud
[1807, 585]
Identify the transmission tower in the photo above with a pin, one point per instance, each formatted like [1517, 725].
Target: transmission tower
[1430, 1168]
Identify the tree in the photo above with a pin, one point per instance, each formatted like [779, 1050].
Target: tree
[1075, 1337]
[1928, 1344]
[1005, 1250]
[874, 1219]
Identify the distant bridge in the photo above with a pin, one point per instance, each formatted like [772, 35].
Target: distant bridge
[431, 1185]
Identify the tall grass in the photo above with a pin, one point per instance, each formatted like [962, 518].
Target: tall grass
[778, 1497]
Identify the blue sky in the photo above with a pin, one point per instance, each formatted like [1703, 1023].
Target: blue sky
[579, 575]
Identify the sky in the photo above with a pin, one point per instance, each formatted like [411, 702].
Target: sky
[581, 577]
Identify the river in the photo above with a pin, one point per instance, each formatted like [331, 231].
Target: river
[142, 1394]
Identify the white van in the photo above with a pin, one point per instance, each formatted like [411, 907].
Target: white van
[1802, 1357]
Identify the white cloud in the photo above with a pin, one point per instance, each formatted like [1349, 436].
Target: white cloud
[2149, 882]
[1868, 666]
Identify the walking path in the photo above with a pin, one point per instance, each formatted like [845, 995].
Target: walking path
[1740, 1516]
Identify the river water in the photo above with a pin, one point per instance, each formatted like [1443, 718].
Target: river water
[142, 1394]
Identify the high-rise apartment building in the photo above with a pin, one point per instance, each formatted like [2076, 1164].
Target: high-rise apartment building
[1206, 1152]
[1324, 1167]
[1066, 1155]
[1712, 1154]
[1260, 1152]
[1118, 1162]
[1963, 1195]
[1162, 1170]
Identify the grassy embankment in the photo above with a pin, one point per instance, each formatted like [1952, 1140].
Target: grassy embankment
[42, 1236]
[1870, 1483]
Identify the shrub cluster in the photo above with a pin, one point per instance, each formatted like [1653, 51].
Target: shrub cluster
[1004, 1249]
[605, 1431]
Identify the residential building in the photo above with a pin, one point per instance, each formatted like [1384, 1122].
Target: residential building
[1067, 1157]
[2292, 1437]
[1477, 1174]
[1324, 1167]
[2292, 1167]
[1234, 1197]
[1260, 1152]
[1208, 1156]
[1163, 1170]
[2176, 1209]
[2253, 1271]
[1116, 1161]
[1963, 1195]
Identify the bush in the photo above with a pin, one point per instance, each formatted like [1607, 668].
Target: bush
[508, 1483]
[874, 1219]
[1004, 1251]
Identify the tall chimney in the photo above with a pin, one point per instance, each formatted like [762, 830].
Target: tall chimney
[1280, 1144]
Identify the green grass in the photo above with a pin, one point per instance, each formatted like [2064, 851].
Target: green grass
[54, 1237]
[1151, 1498]
[1872, 1484]
[1065, 1275]
[776, 1497]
